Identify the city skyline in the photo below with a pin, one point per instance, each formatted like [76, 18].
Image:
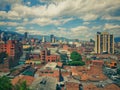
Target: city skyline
[80, 19]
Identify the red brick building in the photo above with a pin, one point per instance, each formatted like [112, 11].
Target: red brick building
[13, 49]
[47, 57]
[52, 58]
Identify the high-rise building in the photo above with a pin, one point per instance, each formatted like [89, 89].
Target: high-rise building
[104, 43]
[51, 38]
[43, 39]
[25, 35]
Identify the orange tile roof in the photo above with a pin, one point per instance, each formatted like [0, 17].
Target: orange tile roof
[112, 87]
[28, 79]
[90, 87]
[59, 64]
[84, 77]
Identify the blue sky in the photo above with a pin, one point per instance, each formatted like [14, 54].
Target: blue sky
[76, 19]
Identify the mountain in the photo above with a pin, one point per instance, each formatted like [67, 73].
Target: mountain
[47, 37]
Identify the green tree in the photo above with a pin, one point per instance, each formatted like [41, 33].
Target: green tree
[21, 86]
[2, 56]
[76, 59]
[118, 71]
[75, 56]
[5, 83]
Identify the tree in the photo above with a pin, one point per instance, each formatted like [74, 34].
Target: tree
[76, 59]
[75, 56]
[21, 86]
[5, 83]
[118, 71]
[2, 56]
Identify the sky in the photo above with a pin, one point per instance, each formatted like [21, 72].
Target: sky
[74, 19]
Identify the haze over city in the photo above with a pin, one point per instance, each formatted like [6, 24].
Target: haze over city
[69, 18]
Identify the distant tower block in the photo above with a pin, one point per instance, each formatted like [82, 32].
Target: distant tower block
[43, 39]
[104, 43]
[51, 37]
[25, 35]
[53, 40]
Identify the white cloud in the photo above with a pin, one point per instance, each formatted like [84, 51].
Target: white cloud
[61, 28]
[89, 17]
[12, 24]
[12, 15]
[59, 12]
[20, 28]
[2, 23]
[8, 24]
[47, 21]
[96, 27]
[86, 23]
[44, 21]
[79, 28]
[108, 17]
[111, 26]
[85, 9]
[113, 29]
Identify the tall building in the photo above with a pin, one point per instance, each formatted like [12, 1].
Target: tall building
[43, 39]
[104, 43]
[25, 35]
[51, 38]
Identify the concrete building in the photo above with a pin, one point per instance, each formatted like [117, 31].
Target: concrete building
[52, 39]
[43, 39]
[104, 43]
[25, 35]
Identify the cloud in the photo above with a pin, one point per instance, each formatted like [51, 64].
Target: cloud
[109, 17]
[2, 23]
[85, 9]
[8, 24]
[86, 23]
[96, 27]
[61, 28]
[20, 28]
[79, 28]
[4, 4]
[111, 26]
[89, 17]
[113, 29]
[48, 21]
[12, 15]
[44, 21]
[58, 13]
[31, 32]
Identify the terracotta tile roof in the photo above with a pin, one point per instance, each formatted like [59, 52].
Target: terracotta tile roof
[90, 87]
[28, 79]
[59, 64]
[84, 77]
[72, 86]
[112, 87]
